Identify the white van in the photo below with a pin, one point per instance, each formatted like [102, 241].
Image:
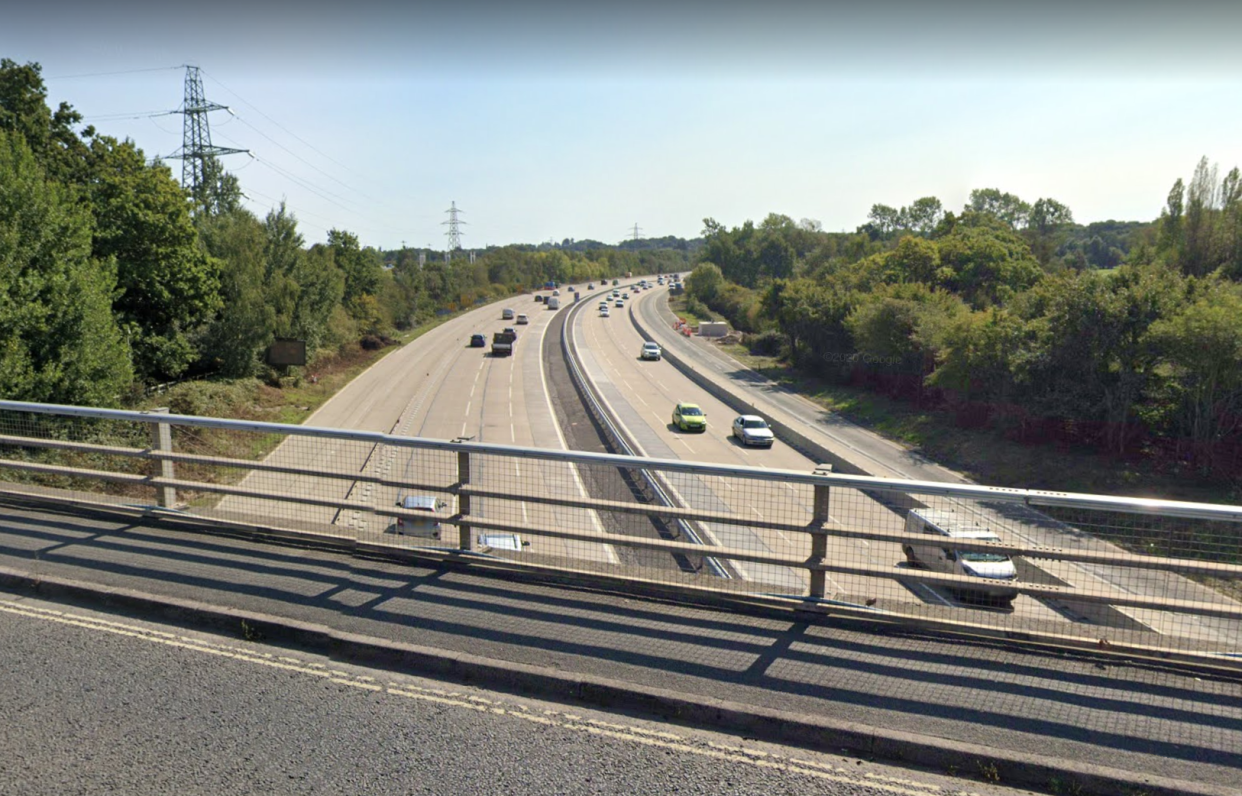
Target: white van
[553, 303]
[940, 555]
[506, 314]
[427, 527]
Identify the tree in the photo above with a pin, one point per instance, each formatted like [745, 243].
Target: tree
[1046, 218]
[1005, 206]
[1202, 344]
[246, 321]
[985, 261]
[50, 135]
[58, 339]
[168, 287]
[923, 216]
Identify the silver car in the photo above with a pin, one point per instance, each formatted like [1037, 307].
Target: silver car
[753, 430]
[651, 351]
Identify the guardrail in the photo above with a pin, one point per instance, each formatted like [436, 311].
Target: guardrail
[844, 549]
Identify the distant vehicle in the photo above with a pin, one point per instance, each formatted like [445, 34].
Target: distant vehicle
[625, 296]
[616, 282]
[539, 298]
[556, 292]
[504, 342]
[620, 303]
[603, 304]
[553, 303]
[689, 417]
[478, 341]
[753, 430]
[660, 281]
[603, 312]
[651, 351]
[521, 318]
[506, 314]
[939, 554]
[591, 286]
[549, 285]
[427, 527]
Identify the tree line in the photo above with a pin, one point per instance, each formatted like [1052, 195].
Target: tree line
[113, 278]
[1126, 336]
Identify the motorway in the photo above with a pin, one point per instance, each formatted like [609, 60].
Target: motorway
[1092, 712]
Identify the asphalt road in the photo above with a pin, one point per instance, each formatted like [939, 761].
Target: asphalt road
[94, 703]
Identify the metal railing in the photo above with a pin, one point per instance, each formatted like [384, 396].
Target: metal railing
[1145, 575]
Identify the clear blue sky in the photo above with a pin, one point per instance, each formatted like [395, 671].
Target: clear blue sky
[545, 121]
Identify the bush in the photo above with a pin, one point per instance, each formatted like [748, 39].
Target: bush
[766, 344]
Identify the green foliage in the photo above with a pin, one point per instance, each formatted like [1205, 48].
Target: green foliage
[246, 321]
[167, 286]
[58, 339]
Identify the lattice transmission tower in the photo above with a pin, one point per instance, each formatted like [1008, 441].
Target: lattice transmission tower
[200, 171]
[454, 227]
[634, 232]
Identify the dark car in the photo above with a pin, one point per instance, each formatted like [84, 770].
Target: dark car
[478, 341]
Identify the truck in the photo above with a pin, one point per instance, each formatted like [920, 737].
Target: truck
[503, 343]
[931, 545]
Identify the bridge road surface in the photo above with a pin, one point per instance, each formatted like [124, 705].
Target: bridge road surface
[437, 387]
[883, 458]
[644, 393]
[125, 707]
[981, 700]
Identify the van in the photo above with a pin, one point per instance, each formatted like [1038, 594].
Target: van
[939, 554]
[427, 527]
[553, 303]
[506, 314]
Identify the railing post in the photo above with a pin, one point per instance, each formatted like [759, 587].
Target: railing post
[161, 440]
[819, 542]
[463, 500]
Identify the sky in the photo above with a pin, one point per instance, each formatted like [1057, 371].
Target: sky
[553, 120]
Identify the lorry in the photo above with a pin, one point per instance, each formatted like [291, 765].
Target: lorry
[503, 343]
[940, 529]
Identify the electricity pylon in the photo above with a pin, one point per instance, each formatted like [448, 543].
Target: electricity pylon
[200, 171]
[454, 228]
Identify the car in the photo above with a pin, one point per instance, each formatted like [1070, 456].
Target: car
[616, 282]
[625, 296]
[556, 292]
[510, 330]
[660, 281]
[506, 314]
[478, 341]
[591, 286]
[523, 319]
[603, 312]
[424, 523]
[753, 430]
[689, 417]
[538, 298]
[620, 303]
[651, 351]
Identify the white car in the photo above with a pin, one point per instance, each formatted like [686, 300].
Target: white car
[523, 319]
[603, 312]
[651, 351]
[753, 430]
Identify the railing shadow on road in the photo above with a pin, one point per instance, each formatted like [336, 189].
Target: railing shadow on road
[660, 643]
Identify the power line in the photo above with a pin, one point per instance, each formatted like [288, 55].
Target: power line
[110, 74]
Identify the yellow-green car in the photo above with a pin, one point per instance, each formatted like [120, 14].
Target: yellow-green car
[689, 417]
